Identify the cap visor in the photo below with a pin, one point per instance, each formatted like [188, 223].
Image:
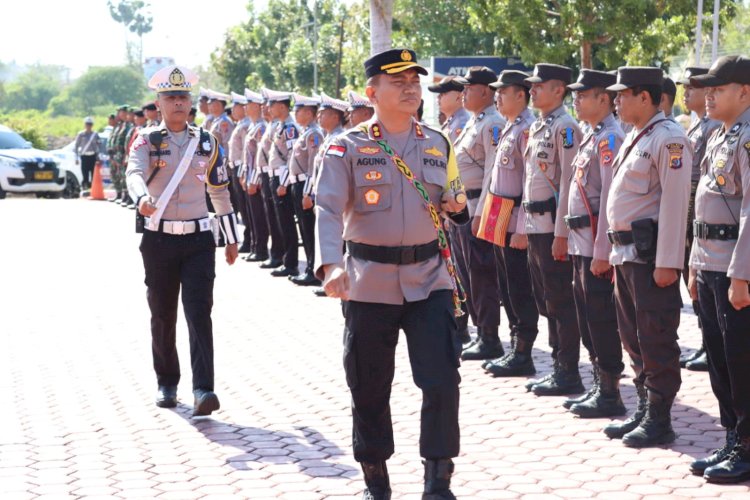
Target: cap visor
[617, 87]
[682, 81]
[707, 80]
[437, 89]
[576, 87]
[534, 79]
[175, 92]
[462, 81]
[415, 66]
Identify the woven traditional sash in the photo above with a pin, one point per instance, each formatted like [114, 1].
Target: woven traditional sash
[493, 224]
[459, 295]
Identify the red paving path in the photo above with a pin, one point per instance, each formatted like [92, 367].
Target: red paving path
[78, 419]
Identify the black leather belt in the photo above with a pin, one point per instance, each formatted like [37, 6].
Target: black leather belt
[620, 238]
[393, 255]
[715, 231]
[540, 207]
[578, 221]
[473, 194]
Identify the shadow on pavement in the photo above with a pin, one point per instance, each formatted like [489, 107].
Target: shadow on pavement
[314, 455]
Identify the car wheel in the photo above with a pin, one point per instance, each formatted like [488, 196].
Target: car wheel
[72, 187]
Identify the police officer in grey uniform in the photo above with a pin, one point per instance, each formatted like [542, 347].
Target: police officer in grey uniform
[553, 143]
[668, 96]
[450, 102]
[250, 177]
[301, 166]
[589, 247]
[694, 99]
[282, 142]
[511, 256]
[235, 154]
[265, 172]
[169, 169]
[87, 149]
[646, 211]
[720, 263]
[394, 273]
[475, 153]
[360, 108]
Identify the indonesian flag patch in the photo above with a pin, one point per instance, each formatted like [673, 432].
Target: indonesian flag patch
[336, 150]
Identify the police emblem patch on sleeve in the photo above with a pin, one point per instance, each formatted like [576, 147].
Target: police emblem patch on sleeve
[675, 155]
[567, 135]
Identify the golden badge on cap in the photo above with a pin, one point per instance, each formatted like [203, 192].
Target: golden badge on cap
[176, 77]
[406, 55]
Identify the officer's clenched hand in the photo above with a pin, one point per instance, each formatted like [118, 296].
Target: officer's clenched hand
[145, 207]
[475, 225]
[560, 248]
[336, 282]
[252, 188]
[243, 184]
[600, 267]
[281, 190]
[663, 277]
[453, 201]
[307, 202]
[692, 285]
[519, 241]
[739, 294]
[231, 252]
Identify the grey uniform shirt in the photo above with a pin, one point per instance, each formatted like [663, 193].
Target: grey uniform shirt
[652, 182]
[304, 151]
[237, 141]
[281, 145]
[726, 169]
[265, 145]
[205, 173]
[87, 143]
[362, 197]
[318, 160]
[506, 178]
[592, 168]
[553, 143]
[698, 134]
[250, 147]
[455, 124]
[222, 128]
[475, 151]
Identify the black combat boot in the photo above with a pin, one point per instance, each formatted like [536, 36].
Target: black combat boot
[377, 481]
[686, 358]
[565, 380]
[534, 381]
[437, 479]
[518, 363]
[605, 402]
[588, 394]
[698, 364]
[699, 466]
[617, 430]
[656, 426]
[488, 346]
[736, 467]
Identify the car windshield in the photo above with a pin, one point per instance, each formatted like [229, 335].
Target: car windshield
[11, 140]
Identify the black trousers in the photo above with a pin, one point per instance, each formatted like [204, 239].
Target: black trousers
[259, 222]
[597, 318]
[174, 263]
[689, 244]
[482, 286]
[277, 239]
[551, 283]
[87, 169]
[515, 291]
[244, 210]
[370, 339]
[726, 336]
[648, 317]
[306, 221]
[284, 209]
[463, 276]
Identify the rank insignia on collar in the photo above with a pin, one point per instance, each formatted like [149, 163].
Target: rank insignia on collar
[433, 151]
[375, 131]
[480, 116]
[549, 119]
[735, 128]
[517, 120]
[419, 131]
[598, 128]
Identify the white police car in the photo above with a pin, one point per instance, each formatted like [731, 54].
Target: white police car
[24, 169]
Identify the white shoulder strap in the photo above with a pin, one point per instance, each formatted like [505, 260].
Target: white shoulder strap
[163, 201]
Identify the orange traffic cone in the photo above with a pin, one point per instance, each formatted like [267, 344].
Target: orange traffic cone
[97, 189]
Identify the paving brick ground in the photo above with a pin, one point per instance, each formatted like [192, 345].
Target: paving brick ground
[78, 421]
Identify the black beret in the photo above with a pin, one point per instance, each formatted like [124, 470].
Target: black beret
[391, 62]
[481, 75]
[149, 107]
[544, 72]
[690, 72]
[590, 78]
[635, 76]
[725, 70]
[447, 84]
[510, 77]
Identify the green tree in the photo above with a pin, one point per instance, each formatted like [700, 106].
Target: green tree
[134, 16]
[591, 33]
[106, 85]
[33, 89]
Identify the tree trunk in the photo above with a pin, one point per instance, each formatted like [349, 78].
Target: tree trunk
[338, 60]
[586, 57]
[381, 17]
